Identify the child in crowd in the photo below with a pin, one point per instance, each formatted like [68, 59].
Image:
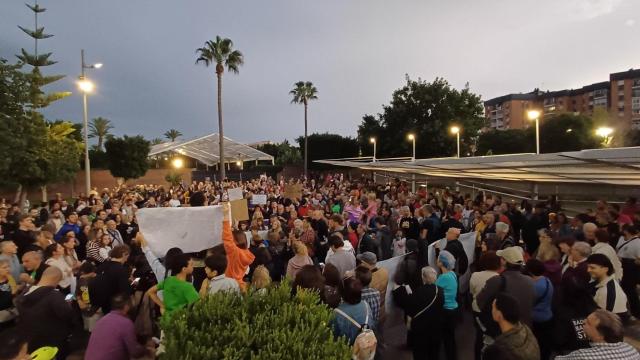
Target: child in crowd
[90, 313]
[399, 244]
[215, 266]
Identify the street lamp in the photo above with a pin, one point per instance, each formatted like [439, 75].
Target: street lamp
[605, 133]
[86, 87]
[373, 141]
[535, 115]
[177, 163]
[456, 131]
[413, 140]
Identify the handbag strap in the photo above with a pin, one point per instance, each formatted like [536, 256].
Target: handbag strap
[428, 306]
[358, 325]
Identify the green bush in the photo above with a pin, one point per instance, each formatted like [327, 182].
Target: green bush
[273, 325]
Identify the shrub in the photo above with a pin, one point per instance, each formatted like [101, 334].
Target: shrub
[273, 325]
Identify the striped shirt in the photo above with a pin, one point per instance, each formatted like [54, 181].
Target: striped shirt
[604, 351]
[372, 298]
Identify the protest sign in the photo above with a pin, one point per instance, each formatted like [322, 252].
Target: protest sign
[259, 199]
[239, 210]
[235, 194]
[293, 191]
[192, 229]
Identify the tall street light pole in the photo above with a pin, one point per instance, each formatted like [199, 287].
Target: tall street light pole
[456, 130]
[86, 87]
[413, 140]
[535, 115]
[373, 141]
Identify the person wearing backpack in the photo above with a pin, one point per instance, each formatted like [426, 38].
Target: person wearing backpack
[511, 281]
[353, 319]
[542, 316]
[423, 309]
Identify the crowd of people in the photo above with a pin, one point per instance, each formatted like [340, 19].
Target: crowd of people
[542, 284]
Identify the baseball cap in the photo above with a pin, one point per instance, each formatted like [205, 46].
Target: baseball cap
[368, 257]
[512, 255]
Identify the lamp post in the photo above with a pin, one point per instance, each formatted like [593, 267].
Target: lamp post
[373, 141]
[456, 131]
[86, 87]
[535, 115]
[413, 140]
[605, 133]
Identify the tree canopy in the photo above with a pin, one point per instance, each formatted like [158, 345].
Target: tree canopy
[172, 134]
[100, 128]
[127, 156]
[428, 110]
[328, 146]
[283, 153]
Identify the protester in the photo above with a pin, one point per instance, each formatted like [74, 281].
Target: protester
[516, 341]
[216, 281]
[602, 246]
[448, 281]
[352, 311]
[90, 313]
[580, 251]
[628, 249]
[8, 252]
[8, 289]
[489, 265]
[341, 258]
[112, 279]
[114, 337]
[542, 317]
[424, 307]
[300, 259]
[177, 291]
[55, 257]
[607, 292]
[369, 295]
[33, 266]
[237, 250]
[605, 333]
[46, 315]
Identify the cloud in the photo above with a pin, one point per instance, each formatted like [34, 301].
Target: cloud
[630, 22]
[591, 9]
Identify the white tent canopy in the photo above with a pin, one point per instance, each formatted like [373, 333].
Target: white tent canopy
[618, 166]
[206, 150]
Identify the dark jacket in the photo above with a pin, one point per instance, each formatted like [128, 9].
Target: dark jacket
[427, 324]
[518, 343]
[45, 316]
[112, 278]
[520, 286]
[366, 244]
[385, 239]
[579, 272]
[457, 250]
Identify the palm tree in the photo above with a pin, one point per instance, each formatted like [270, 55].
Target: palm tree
[302, 93]
[220, 52]
[99, 127]
[172, 134]
[156, 141]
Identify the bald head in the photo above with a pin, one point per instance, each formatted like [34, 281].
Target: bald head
[50, 277]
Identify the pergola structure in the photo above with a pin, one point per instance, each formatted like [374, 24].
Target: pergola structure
[205, 149]
[608, 167]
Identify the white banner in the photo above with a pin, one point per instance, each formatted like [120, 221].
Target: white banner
[191, 229]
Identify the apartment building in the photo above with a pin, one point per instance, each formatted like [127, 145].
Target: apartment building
[621, 95]
[625, 91]
[509, 111]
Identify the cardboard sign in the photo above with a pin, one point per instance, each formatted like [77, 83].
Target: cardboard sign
[259, 199]
[235, 194]
[293, 191]
[239, 210]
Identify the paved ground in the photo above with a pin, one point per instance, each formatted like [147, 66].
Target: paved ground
[396, 333]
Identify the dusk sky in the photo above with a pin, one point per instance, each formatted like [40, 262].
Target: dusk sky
[355, 52]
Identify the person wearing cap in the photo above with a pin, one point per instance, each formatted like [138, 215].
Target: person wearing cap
[516, 341]
[379, 278]
[511, 281]
[448, 281]
[607, 293]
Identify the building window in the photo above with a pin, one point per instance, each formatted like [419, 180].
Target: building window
[636, 83]
[600, 93]
[620, 82]
[620, 97]
[600, 102]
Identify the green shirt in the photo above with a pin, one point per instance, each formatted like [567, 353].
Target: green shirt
[177, 293]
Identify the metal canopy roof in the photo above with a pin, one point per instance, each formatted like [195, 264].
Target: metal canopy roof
[206, 150]
[619, 166]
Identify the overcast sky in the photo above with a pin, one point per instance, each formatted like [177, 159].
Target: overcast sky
[355, 52]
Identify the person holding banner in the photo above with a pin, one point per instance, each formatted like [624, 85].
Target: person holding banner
[239, 257]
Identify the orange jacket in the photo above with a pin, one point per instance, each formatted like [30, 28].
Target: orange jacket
[237, 259]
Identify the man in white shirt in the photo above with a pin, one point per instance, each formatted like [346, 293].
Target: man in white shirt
[628, 249]
[608, 293]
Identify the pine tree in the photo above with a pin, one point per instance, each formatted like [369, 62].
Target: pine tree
[39, 99]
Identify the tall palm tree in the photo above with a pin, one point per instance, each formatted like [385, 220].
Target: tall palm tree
[172, 134]
[302, 93]
[156, 141]
[99, 128]
[220, 52]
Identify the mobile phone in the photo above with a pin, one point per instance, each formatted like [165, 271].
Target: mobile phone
[69, 297]
[135, 281]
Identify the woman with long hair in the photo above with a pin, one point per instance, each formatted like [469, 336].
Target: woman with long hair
[54, 254]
